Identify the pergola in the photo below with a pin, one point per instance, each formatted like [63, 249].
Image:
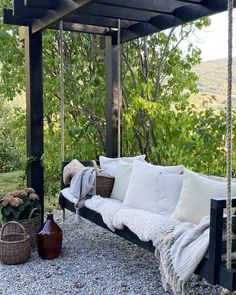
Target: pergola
[135, 18]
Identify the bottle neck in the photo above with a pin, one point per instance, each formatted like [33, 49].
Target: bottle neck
[50, 216]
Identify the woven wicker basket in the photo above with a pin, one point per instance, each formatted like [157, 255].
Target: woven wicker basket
[104, 185]
[14, 243]
[32, 225]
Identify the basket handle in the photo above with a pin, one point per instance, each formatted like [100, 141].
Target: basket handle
[94, 165]
[13, 222]
[32, 212]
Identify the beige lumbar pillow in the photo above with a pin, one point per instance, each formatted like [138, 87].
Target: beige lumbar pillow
[197, 191]
[70, 170]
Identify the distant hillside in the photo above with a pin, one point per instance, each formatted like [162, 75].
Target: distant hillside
[213, 82]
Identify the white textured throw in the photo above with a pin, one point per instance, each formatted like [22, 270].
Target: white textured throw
[82, 184]
[180, 246]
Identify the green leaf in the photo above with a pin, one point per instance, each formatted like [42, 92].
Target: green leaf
[16, 214]
[7, 210]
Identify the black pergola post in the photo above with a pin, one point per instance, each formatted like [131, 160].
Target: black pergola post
[34, 111]
[112, 89]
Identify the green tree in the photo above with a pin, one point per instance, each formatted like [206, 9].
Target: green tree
[158, 118]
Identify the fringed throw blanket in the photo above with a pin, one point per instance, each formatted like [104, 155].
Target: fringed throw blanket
[179, 251]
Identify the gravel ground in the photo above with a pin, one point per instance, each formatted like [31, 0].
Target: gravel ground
[93, 261]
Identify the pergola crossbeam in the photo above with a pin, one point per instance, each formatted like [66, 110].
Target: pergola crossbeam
[48, 4]
[65, 8]
[74, 27]
[10, 19]
[80, 19]
[118, 12]
[167, 6]
[19, 9]
[137, 17]
[67, 26]
[97, 20]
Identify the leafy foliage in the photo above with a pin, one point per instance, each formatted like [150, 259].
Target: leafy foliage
[158, 117]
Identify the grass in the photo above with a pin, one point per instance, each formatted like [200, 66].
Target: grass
[9, 181]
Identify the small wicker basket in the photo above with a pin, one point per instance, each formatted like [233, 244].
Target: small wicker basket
[14, 243]
[104, 183]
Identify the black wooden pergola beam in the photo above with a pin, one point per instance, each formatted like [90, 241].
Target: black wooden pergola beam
[67, 26]
[167, 6]
[138, 17]
[83, 28]
[48, 4]
[163, 22]
[70, 22]
[63, 9]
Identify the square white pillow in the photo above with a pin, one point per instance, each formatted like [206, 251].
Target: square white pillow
[197, 191]
[142, 192]
[122, 177]
[109, 165]
[170, 186]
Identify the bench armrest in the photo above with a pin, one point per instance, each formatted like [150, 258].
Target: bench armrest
[217, 224]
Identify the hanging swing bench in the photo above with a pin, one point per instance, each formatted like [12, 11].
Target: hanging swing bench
[120, 21]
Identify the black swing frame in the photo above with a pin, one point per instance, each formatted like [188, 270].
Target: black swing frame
[137, 18]
[211, 268]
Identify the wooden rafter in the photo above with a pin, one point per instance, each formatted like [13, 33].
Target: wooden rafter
[49, 4]
[63, 9]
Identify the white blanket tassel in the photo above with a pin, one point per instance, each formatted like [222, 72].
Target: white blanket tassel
[77, 216]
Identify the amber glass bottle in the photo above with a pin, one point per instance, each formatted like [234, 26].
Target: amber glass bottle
[49, 239]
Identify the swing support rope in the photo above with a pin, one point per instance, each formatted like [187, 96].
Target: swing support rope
[62, 90]
[229, 137]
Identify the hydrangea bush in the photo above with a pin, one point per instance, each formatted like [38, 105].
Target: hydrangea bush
[19, 204]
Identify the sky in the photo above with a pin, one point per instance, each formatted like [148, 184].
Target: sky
[213, 40]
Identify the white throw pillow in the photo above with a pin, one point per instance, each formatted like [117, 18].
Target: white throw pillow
[142, 192]
[163, 169]
[109, 165]
[122, 177]
[197, 191]
[170, 186]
